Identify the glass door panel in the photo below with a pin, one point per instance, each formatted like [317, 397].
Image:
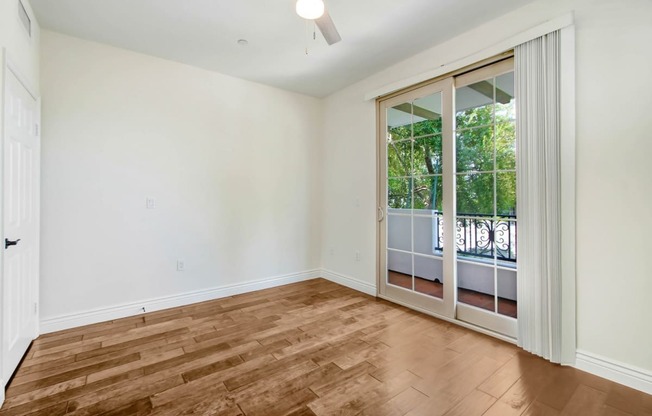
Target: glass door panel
[400, 196]
[485, 161]
[413, 190]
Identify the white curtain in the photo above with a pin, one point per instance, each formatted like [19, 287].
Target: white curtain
[537, 76]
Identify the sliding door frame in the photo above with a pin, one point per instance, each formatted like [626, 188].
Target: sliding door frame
[450, 311]
[494, 320]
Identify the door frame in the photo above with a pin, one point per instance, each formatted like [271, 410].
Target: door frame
[7, 66]
[453, 309]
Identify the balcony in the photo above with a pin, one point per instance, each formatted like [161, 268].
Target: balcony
[486, 256]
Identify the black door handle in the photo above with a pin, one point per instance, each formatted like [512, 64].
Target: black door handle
[9, 243]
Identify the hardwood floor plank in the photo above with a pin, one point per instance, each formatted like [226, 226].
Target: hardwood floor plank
[560, 388]
[339, 349]
[17, 389]
[280, 405]
[140, 407]
[67, 395]
[360, 355]
[57, 342]
[629, 400]
[306, 349]
[33, 395]
[326, 385]
[398, 405]
[109, 330]
[187, 399]
[540, 409]
[474, 404]
[54, 410]
[265, 350]
[380, 395]
[521, 394]
[143, 362]
[160, 330]
[278, 385]
[131, 343]
[115, 397]
[586, 401]
[249, 377]
[331, 402]
[445, 393]
[63, 354]
[25, 370]
[304, 411]
[610, 411]
[507, 375]
[84, 367]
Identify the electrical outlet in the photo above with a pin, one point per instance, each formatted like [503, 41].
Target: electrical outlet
[181, 265]
[357, 256]
[150, 203]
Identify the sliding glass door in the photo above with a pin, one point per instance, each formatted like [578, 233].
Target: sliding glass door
[447, 190]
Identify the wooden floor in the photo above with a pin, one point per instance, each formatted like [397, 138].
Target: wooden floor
[311, 348]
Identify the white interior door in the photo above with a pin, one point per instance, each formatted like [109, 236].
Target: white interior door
[20, 193]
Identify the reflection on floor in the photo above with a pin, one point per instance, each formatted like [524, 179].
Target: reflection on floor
[481, 300]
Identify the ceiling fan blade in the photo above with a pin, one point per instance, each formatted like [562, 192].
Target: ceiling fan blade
[328, 29]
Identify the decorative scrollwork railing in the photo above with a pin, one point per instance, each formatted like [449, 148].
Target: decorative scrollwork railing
[482, 236]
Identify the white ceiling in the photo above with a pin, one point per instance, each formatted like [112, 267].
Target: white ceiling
[204, 33]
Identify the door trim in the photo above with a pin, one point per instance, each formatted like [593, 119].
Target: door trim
[9, 64]
[3, 76]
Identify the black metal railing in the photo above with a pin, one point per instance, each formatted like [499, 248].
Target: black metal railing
[479, 235]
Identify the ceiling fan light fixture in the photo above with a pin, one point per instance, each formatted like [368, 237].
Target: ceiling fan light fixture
[310, 9]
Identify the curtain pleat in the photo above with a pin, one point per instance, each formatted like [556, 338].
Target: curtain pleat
[537, 83]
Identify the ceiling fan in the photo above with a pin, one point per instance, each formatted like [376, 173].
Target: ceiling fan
[315, 10]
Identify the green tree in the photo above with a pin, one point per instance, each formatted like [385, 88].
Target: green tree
[414, 155]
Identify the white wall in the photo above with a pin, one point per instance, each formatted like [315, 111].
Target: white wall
[232, 165]
[614, 174]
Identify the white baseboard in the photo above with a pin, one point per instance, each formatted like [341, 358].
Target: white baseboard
[131, 309]
[2, 392]
[350, 282]
[621, 373]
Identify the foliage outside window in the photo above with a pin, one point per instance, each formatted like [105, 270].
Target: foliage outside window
[484, 153]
